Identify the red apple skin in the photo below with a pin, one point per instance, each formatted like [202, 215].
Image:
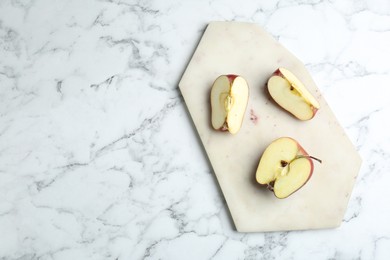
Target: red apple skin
[224, 127]
[314, 110]
[278, 73]
[231, 78]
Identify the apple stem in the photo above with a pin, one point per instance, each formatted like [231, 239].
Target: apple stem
[311, 157]
[314, 158]
[270, 185]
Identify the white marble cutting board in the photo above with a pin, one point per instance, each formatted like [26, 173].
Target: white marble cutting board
[247, 50]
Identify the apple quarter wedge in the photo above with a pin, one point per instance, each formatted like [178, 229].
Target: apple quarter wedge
[290, 93]
[229, 98]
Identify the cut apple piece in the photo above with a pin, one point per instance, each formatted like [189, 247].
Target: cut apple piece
[289, 92]
[229, 99]
[284, 167]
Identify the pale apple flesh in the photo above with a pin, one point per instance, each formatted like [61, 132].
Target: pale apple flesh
[219, 93]
[298, 172]
[290, 93]
[229, 99]
[284, 167]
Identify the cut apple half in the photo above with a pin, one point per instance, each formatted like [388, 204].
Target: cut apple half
[289, 92]
[284, 167]
[229, 99]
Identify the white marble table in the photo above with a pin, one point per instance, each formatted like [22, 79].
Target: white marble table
[98, 155]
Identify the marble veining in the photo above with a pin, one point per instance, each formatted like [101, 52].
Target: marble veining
[99, 158]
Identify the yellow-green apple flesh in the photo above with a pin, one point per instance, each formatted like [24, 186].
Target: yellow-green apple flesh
[289, 92]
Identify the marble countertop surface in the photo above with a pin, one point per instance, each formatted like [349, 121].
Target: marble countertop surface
[99, 158]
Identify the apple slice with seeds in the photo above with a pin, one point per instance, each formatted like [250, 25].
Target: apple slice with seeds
[284, 167]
